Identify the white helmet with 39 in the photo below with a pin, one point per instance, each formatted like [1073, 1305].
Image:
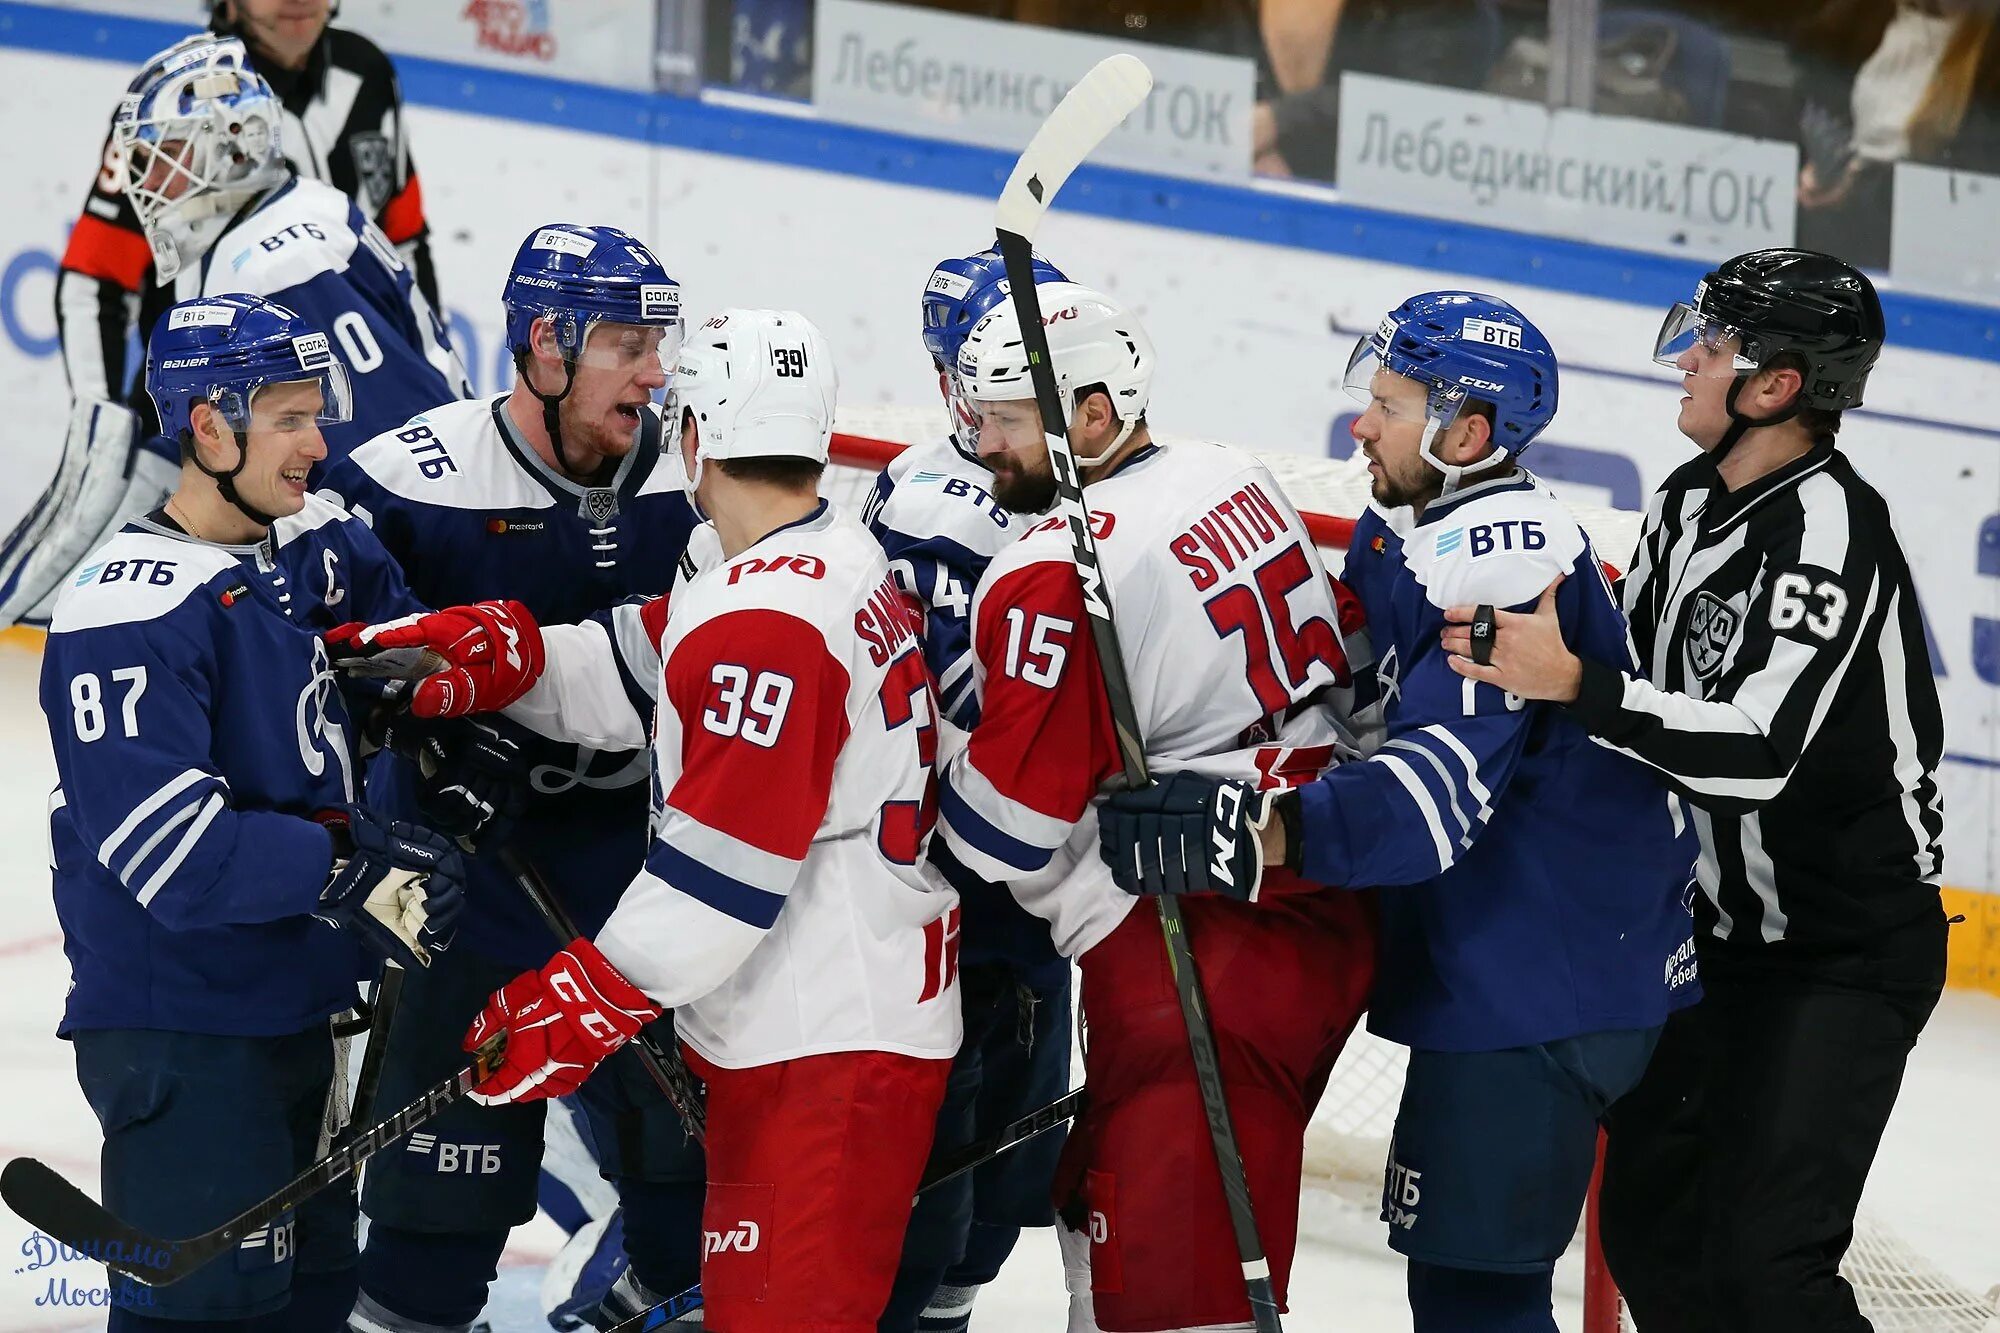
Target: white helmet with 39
[1093, 340]
[759, 384]
[197, 135]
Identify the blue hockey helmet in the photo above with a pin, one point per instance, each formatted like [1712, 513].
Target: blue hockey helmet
[221, 350]
[577, 276]
[960, 291]
[1465, 347]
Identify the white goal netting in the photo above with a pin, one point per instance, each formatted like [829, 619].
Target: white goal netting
[1348, 1145]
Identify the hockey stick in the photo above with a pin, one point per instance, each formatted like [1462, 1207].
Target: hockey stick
[973, 1155]
[1091, 110]
[662, 1062]
[387, 994]
[45, 1200]
[950, 1167]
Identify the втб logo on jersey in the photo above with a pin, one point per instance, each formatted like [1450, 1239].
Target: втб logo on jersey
[1711, 629]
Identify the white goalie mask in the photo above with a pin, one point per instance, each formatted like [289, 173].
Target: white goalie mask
[1092, 340]
[759, 383]
[197, 137]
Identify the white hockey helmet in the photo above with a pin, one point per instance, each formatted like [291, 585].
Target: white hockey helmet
[197, 135]
[1092, 340]
[760, 384]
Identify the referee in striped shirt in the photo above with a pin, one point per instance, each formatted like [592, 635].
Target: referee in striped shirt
[1789, 698]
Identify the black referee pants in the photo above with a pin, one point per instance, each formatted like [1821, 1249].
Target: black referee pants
[1732, 1171]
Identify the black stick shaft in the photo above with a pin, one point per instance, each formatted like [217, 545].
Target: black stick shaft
[661, 1060]
[1019, 257]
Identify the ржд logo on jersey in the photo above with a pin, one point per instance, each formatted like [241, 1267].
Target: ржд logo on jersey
[1711, 629]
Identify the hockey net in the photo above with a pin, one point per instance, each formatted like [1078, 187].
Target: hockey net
[1347, 1146]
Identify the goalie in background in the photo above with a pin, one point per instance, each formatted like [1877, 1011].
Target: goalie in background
[200, 159]
[221, 891]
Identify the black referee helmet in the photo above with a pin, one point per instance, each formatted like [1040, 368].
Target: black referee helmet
[1812, 306]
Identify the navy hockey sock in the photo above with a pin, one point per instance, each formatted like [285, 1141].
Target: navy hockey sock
[438, 1278]
[1463, 1300]
[320, 1304]
[663, 1232]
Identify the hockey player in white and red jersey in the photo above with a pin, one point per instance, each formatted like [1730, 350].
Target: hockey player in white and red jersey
[783, 912]
[1234, 648]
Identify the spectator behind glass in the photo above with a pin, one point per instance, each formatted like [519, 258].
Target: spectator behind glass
[1884, 81]
[1295, 130]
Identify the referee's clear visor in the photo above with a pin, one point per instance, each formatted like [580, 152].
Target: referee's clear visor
[289, 402]
[1718, 349]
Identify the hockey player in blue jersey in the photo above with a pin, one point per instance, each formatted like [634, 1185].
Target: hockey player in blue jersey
[555, 494]
[941, 512]
[223, 211]
[220, 890]
[1535, 929]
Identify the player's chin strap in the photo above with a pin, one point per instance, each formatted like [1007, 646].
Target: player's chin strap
[225, 482]
[1125, 429]
[1741, 425]
[551, 403]
[1456, 475]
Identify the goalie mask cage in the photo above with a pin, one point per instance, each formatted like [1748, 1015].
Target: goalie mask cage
[1348, 1143]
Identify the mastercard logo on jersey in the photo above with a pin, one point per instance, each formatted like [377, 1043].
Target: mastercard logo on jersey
[1378, 544]
[231, 596]
[500, 527]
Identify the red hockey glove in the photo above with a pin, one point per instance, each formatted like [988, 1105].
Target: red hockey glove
[473, 659]
[560, 1023]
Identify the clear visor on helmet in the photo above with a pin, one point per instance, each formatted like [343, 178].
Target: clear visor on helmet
[1723, 351]
[320, 397]
[631, 349]
[995, 425]
[1421, 402]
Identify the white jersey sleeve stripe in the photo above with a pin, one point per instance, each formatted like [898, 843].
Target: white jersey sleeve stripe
[149, 807]
[733, 898]
[1425, 805]
[186, 845]
[1480, 792]
[976, 817]
[1444, 777]
[188, 810]
[725, 854]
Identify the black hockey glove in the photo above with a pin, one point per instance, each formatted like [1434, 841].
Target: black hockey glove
[1189, 834]
[473, 779]
[400, 885]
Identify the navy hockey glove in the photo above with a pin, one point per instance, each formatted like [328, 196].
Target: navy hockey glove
[1189, 834]
[473, 779]
[400, 885]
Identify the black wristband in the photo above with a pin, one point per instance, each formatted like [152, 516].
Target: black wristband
[1290, 810]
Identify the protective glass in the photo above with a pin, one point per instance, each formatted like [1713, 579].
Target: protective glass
[1685, 328]
[1438, 408]
[631, 349]
[243, 407]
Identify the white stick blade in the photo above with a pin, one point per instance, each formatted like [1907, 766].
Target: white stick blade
[1092, 108]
